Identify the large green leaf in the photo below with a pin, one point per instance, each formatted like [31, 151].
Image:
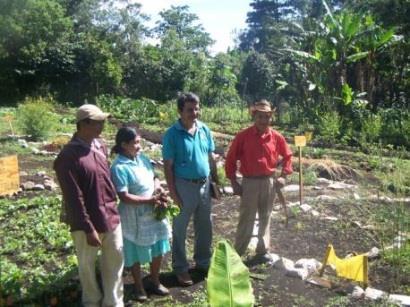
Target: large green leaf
[228, 282]
[357, 56]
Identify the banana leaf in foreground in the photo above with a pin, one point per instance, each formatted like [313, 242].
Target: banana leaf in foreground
[228, 282]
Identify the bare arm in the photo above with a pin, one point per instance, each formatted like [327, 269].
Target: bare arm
[138, 200]
[170, 178]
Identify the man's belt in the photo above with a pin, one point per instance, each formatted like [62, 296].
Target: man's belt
[196, 181]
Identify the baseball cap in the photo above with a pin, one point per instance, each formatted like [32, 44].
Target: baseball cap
[90, 111]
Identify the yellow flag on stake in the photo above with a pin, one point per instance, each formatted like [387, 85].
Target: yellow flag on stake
[354, 268]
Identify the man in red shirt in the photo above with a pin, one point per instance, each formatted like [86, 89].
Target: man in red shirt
[258, 149]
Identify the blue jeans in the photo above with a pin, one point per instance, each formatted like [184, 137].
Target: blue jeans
[196, 201]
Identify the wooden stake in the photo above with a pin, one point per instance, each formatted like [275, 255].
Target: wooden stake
[300, 175]
[322, 269]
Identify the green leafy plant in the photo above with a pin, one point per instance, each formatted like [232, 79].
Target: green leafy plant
[228, 282]
[170, 211]
[36, 117]
[329, 127]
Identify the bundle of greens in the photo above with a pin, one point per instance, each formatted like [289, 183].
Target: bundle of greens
[169, 210]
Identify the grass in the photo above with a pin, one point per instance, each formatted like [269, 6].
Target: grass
[36, 239]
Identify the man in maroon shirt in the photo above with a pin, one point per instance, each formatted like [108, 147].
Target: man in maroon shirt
[90, 209]
[258, 149]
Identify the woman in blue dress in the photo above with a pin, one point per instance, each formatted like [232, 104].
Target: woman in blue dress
[146, 239]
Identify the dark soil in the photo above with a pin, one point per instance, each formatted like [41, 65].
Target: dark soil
[304, 237]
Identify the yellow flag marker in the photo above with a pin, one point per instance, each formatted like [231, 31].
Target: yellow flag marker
[354, 268]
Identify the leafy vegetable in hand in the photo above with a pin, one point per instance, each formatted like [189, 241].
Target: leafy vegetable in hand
[169, 210]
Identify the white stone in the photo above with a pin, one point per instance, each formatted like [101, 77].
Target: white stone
[35, 151]
[315, 213]
[403, 300]
[305, 208]
[331, 218]
[340, 186]
[38, 187]
[317, 188]
[356, 196]
[49, 185]
[374, 294]
[291, 188]
[228, 190]
[357, 292]
[28, 185]
[311, 265]
[41, 173]
[297, 272]
[326, 197]
[285, 264]
[373, 253]
[324, 180]
[275, 258]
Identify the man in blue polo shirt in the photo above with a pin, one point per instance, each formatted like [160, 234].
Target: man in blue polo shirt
[187, 152]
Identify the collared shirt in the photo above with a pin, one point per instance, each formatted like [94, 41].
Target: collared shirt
[190, 153]
[136, 176]
[89, 194]
[258, 153]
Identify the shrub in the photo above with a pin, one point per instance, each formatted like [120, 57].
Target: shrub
[371, 128]
[36, 117]
[329, 127]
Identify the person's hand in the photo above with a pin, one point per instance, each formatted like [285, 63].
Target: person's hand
[155, 199]
[159, 190]
[237, 188]
[93, 239]
[280, 182]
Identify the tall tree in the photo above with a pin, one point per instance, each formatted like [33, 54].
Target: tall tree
[184, 24]
[36, 46]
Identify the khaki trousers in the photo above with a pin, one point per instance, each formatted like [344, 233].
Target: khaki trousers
[258, 195]
[111, 266]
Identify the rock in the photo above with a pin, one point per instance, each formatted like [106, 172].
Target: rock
[340, 186]
[357, 293]
[228, 190]
[275, 258]
[330, 218]
[356, 196]
[297, 272]
[315, 213]
[317, 188]
[373, 253]
[322, 180]
[23, 173]
[305, 208]
[38, 187]
[403, 300]
[285, 264]
[49, 185]
[291, 188]
[374, 294]
[35, 151]
[326, 197]
[22, 143]
[28, 185]
[41, 173]
[311, 265]
[399, 241]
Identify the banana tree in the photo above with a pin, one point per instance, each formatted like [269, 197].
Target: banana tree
[342, 47]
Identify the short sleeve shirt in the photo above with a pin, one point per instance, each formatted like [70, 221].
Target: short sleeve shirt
[189, 153]
[136, 176]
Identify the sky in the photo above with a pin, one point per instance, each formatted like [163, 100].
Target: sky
[220, 18]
